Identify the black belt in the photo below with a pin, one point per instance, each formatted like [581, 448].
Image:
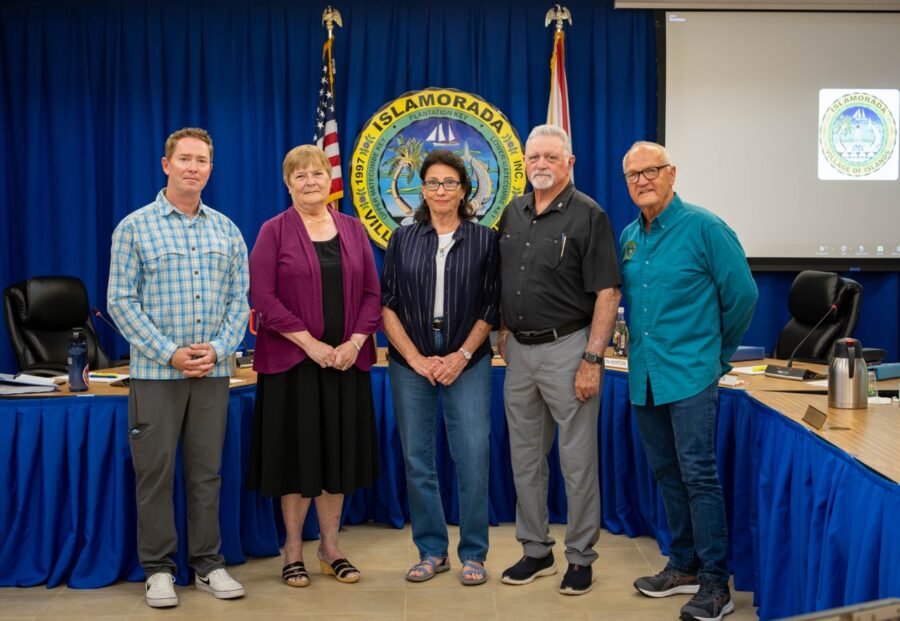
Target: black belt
[437, 323]
[538, 337]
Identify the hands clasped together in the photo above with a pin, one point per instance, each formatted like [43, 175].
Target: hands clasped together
[341, 357]
[195, 360]
[439, 369]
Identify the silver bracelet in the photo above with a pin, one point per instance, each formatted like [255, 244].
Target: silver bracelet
[358, 347]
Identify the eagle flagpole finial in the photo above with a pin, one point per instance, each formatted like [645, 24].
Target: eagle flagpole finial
[330, 17]
[559, 14]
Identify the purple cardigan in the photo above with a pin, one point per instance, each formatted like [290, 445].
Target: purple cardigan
[286, 289]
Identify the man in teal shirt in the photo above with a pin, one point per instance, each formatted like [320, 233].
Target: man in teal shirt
[691, 296]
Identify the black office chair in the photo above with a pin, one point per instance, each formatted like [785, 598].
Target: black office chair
[812, 294]
[40, 315]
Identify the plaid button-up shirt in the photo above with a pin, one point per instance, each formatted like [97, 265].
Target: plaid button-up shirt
[174, 281]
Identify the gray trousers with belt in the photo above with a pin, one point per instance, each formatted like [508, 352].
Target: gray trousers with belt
[539, 394]
[159, 413]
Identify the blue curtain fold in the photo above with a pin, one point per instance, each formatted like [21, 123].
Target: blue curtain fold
[630, 500]
[89, 90]
[810, 527]
[70, 515]
[826, 525]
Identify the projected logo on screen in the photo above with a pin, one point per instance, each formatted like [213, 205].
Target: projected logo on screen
[858, 134]
[393, 144]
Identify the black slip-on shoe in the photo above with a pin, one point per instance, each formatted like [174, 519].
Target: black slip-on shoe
[528, 568]
[578, 580]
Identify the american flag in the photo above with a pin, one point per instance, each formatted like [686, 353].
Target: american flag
[326, 137]
[558, 108]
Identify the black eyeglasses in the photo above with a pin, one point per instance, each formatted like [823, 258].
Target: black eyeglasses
[434, 184]
[649, 174]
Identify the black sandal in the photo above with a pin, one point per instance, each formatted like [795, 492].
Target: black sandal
[295, 574]
[341, 569]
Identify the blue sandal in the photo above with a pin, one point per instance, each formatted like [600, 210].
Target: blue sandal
[430, 566]
[472, 567]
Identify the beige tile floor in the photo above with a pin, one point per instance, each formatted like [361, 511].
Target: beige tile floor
[383, 554]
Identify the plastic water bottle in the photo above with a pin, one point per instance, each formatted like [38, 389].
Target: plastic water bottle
[78, 361]
[872, 387]
[620, 335]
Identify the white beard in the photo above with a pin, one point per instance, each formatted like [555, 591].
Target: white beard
[543, 181]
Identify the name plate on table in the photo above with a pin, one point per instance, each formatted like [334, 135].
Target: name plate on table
[615, 363]
[815, 418]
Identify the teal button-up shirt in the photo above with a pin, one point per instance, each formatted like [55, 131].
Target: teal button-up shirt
[690, 296]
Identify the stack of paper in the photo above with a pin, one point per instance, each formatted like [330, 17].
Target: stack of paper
[25, 384]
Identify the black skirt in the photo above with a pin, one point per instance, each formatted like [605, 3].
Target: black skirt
[313, 431]
[314, 428]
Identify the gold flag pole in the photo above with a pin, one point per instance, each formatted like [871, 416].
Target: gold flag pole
[558, 106]
[330, 17]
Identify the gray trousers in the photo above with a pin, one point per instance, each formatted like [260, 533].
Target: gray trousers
[540, 396]
[159, 413]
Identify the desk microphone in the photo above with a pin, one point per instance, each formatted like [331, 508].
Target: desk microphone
[802, 375]
[100, 316]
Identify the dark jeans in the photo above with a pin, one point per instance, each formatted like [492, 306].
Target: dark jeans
[467, 419]
[680, 442]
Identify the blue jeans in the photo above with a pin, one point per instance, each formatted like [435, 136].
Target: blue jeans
[680, 441]
[467, 407]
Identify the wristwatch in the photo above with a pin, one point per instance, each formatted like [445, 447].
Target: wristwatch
[592, 357]
[466, 354]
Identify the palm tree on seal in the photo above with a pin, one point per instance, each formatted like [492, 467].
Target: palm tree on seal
[406, 156]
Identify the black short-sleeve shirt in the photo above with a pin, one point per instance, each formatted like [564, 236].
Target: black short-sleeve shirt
[553, 264]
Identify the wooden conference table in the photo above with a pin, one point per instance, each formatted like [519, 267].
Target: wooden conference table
[812, 525]
[871, 435]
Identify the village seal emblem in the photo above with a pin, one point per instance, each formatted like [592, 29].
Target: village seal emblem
[390, 149]
[857, 134]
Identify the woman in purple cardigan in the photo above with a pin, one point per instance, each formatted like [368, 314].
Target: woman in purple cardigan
[315, 289]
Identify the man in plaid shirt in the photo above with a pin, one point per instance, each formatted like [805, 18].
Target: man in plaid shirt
[178, 292]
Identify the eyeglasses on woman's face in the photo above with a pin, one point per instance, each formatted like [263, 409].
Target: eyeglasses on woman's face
[448, 184]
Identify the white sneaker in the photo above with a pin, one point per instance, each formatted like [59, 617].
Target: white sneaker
[220, 584]
[160, 592]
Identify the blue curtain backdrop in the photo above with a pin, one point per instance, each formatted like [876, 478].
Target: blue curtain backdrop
[89, 89]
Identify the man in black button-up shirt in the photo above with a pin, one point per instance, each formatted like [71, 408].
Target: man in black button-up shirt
[559, 294]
